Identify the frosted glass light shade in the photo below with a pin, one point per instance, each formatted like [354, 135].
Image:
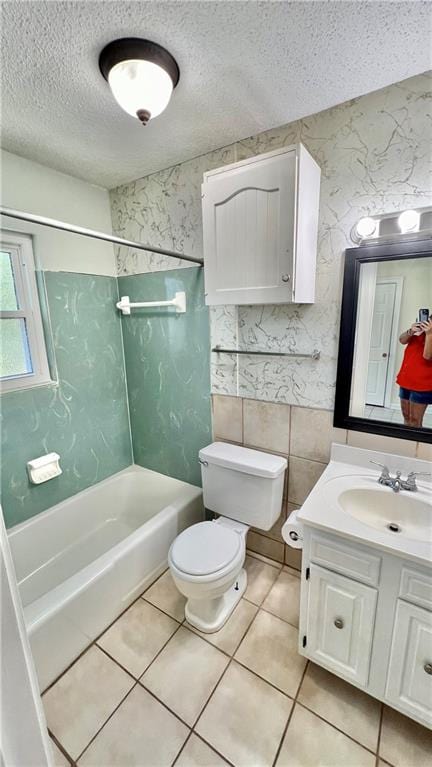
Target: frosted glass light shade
[366, 227]
[137, 85]
[409, 221]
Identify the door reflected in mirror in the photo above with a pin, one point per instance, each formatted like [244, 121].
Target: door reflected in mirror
[392, 367]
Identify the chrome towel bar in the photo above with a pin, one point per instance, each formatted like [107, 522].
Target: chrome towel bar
[315, 355]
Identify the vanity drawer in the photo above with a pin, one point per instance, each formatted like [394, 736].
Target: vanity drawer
[342, 557]
[416, 586]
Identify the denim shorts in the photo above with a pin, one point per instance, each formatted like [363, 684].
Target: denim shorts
[419, 397]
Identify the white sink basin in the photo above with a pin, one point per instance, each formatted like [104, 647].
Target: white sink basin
[398, 513]
[348, 501]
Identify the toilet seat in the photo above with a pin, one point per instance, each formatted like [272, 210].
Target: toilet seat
[205, 549]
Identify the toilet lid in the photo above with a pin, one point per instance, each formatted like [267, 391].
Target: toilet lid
[205, 548]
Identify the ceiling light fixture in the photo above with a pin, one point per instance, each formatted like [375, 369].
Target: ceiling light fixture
[142, 76]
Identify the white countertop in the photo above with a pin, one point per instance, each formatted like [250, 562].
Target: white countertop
[352, 466]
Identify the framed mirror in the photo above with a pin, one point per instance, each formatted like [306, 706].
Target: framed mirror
[384, 373]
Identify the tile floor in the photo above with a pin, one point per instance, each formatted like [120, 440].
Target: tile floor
[153, 692]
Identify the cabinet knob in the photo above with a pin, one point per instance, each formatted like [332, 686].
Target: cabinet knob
[428, 668]
[339, 623]
[286, 277]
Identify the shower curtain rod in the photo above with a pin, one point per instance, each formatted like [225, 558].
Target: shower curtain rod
[32, 218]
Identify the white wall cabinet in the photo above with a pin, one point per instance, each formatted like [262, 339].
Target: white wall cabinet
[366, 615]
[260, 223]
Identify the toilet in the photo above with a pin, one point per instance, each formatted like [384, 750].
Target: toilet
[244, 488]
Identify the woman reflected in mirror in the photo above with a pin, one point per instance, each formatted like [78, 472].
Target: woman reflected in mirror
[415, 375]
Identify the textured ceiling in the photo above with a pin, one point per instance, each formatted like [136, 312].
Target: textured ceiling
[245, 67]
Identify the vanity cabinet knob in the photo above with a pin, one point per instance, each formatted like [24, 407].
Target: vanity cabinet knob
[339, 623]
[286, 277]
[428, 668]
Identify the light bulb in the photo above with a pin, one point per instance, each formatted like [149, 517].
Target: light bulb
[366, 227]
[408, 221]
[141, 87]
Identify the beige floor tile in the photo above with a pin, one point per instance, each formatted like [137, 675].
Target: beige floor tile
[185, 673]
[261, 577]
[310, 742]
[270, 649]
[266, 425]
[165, 595]
[141, 733]
[136, 638]
[230, 635]
[283, 599]
[341, 704]
[245, 719]
[59, 760]
[83, 698]
[404, 743]
[196, 753]
[227, 417]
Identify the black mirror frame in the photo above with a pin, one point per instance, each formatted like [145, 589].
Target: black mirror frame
[354, 257]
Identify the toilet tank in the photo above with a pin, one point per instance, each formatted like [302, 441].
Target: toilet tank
[242, 484]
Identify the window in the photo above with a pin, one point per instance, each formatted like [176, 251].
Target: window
[23, 358]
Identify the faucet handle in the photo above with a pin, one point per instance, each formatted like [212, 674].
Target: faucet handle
[414, 474]
[385, 469]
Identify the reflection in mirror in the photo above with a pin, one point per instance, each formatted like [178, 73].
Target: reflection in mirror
[392, 368]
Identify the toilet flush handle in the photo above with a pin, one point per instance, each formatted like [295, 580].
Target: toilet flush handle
[203, 463]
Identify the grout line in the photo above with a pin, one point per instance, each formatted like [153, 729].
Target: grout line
[182, 748]
[275, 615]
[263, 679]
[160, 651]
[379, 734]
[165, 705]
[335, 727]
[145, 599]
[106, 721]
[290, 716]
[96, 639]
[61, 748]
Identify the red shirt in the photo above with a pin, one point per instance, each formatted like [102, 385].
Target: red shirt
[415, 372]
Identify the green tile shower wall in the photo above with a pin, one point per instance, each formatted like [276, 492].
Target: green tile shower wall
[84, 418]
[168, 378]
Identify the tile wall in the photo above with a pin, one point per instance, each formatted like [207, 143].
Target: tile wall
[304, 437]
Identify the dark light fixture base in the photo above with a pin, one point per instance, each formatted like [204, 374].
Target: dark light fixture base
[143, 115]
[127, 48]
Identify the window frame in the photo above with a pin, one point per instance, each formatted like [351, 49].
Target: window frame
[20, 247]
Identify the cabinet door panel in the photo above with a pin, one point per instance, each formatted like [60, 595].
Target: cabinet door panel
[341, 615]
[248, 221]
[409, 681]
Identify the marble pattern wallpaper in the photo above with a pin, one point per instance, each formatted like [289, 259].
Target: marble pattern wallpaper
[83, 416]
[168, 373]
[374, 153]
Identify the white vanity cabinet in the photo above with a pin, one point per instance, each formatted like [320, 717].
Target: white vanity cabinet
[366, 615]
[260, 223]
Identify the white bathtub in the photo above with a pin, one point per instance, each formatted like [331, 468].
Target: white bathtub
[82, 562]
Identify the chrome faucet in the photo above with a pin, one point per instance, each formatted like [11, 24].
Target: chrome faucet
[396, 483]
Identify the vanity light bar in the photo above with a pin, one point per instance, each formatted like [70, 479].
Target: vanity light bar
[412, 224]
